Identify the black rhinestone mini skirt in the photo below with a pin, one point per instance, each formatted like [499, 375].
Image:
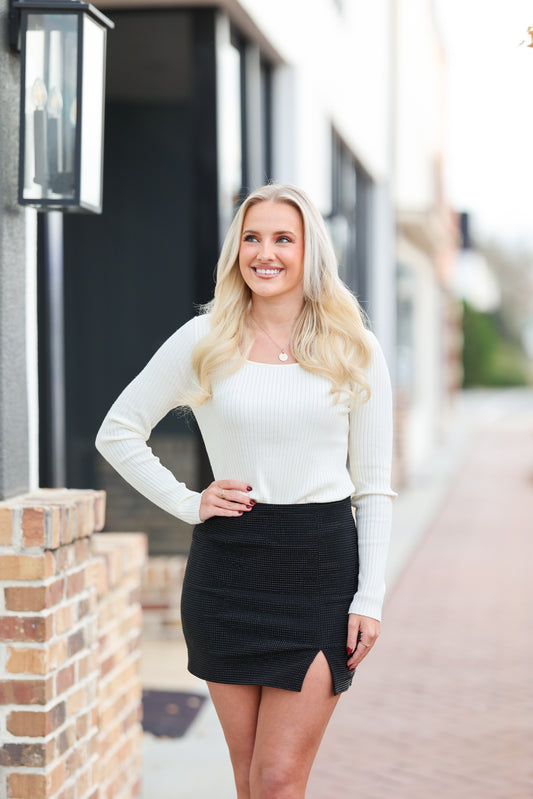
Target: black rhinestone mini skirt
[264, 592]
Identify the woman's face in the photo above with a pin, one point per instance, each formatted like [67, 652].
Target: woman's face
[271, 253]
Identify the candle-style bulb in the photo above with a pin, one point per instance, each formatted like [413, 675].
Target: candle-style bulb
[55, 103]
[39, 94]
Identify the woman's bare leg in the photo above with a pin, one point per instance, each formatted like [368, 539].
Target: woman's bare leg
[272, 734]
[290, 726]
[237, 707]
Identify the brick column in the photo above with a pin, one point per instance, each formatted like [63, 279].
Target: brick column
[70, 693]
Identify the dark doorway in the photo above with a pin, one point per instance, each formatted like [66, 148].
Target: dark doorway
[135, 273]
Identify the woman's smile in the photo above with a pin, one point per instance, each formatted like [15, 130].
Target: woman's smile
[268, 272]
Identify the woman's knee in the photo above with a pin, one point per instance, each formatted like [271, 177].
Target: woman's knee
[276, 779]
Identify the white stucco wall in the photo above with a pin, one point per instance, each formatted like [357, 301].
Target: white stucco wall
[340, 64]
[18, 329]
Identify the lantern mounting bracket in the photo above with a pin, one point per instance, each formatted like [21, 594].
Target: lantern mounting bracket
[13, 27]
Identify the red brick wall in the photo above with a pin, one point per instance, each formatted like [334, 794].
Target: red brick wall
[70, 624]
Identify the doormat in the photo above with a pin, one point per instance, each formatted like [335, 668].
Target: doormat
[169, 714]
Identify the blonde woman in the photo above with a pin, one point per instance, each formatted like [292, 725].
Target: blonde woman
[282, 595]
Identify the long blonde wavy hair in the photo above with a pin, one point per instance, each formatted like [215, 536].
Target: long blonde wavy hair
[329, 336]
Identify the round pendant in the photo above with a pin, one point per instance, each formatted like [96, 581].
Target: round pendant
[283, 356]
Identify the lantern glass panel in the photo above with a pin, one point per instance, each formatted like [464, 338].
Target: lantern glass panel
[92, 108]
[50, 106]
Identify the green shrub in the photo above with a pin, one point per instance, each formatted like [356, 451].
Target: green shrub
[489, 357]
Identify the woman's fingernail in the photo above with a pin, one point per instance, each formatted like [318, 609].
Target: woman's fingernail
[249, 507]
[251, 501]
[249, 488]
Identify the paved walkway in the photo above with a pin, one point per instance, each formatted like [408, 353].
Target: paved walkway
[443, 708]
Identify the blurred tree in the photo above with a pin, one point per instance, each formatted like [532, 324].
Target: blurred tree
[513, 270]
[490, 355]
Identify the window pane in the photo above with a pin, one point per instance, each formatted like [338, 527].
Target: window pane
[50, 106]
[230, 139]
[350, 217]
[92, 113]
[266, 120]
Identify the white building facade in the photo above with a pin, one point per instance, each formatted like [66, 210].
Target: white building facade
[428, 338]
[205, 102]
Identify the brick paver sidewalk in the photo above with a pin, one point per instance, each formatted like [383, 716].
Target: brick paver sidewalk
[443, 706]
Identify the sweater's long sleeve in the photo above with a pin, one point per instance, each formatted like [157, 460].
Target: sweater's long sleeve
[370, 455]
[144, 402]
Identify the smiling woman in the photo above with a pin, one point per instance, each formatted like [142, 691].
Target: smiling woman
[282, 594]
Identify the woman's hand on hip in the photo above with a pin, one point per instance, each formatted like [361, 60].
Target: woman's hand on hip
[225, 498]
[362, 635]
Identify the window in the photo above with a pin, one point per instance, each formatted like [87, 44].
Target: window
[405, 320]
[349, 221]
[245, 119]
[266, 120]
[232, 129]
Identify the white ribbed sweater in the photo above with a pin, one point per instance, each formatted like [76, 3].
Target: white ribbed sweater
[275, 427]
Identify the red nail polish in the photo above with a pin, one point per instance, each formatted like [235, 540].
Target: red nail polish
[251, 501]
[249, 507]
[249, 488]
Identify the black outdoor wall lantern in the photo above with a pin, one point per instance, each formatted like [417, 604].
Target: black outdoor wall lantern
[63, 49]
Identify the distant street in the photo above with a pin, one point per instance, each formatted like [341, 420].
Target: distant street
[443, 707]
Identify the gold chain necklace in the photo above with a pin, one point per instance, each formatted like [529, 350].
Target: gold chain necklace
[282, 355]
